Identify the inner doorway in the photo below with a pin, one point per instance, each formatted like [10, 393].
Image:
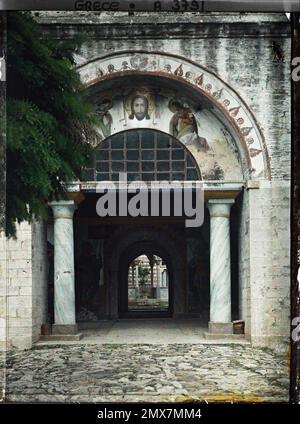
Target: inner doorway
[145, 281]
[148, 284]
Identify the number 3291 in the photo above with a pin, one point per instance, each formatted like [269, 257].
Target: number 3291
[185, 5]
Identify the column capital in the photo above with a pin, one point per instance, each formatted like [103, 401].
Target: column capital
[220, 208]
[63, 208]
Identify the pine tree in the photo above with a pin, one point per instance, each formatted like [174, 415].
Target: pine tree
[49, 120]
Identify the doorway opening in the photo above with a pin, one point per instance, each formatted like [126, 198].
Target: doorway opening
[146, 276]
[148, 284]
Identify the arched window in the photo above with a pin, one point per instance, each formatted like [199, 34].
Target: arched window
[144, 155]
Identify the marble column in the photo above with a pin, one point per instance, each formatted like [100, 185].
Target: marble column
[64, 286]
[220, 266]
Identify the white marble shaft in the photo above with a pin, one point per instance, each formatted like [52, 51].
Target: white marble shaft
[220, 274]
[64, 286]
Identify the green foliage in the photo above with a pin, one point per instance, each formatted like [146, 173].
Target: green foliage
[143, 274]
[48, 119]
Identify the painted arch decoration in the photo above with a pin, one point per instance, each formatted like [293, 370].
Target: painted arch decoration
[140, 108]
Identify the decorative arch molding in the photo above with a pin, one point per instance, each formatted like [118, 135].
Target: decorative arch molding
[208, 84]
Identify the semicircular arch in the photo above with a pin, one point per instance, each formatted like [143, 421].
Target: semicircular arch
[227, 103]
[143, 155]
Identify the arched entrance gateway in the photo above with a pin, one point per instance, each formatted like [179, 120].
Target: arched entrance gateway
[146, 301]
[163, 118]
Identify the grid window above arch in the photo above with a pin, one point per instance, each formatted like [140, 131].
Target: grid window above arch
[144, 155]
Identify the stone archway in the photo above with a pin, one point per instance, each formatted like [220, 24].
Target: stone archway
[147, 248]
[236, 151]
[228, 106]
[126, 244]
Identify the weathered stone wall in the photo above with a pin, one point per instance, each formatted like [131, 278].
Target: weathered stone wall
[244, 265]
[25, 286]
[19, 288]
[269, 233]
[264, 268]
[3, 290]
[39, 278]
[238, 48]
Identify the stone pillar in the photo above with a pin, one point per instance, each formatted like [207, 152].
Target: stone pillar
[137, 287]
[64, 286]
[164, 278]
[220, 264]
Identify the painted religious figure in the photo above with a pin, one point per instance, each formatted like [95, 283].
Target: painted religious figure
[183, 125]
[105, 118]
[139, 108]
[139, 104]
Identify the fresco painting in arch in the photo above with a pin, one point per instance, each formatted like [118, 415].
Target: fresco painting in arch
[183, 125]
[248, 144]
[195, 126]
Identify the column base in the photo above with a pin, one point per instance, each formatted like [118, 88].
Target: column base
[65, 329]
[220, 327]
[229, 338]
[61, 338]
[222, 332]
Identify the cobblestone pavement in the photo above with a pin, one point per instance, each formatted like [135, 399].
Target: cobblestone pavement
[124, 373]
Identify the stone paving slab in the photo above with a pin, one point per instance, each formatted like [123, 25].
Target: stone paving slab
[146, 373]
